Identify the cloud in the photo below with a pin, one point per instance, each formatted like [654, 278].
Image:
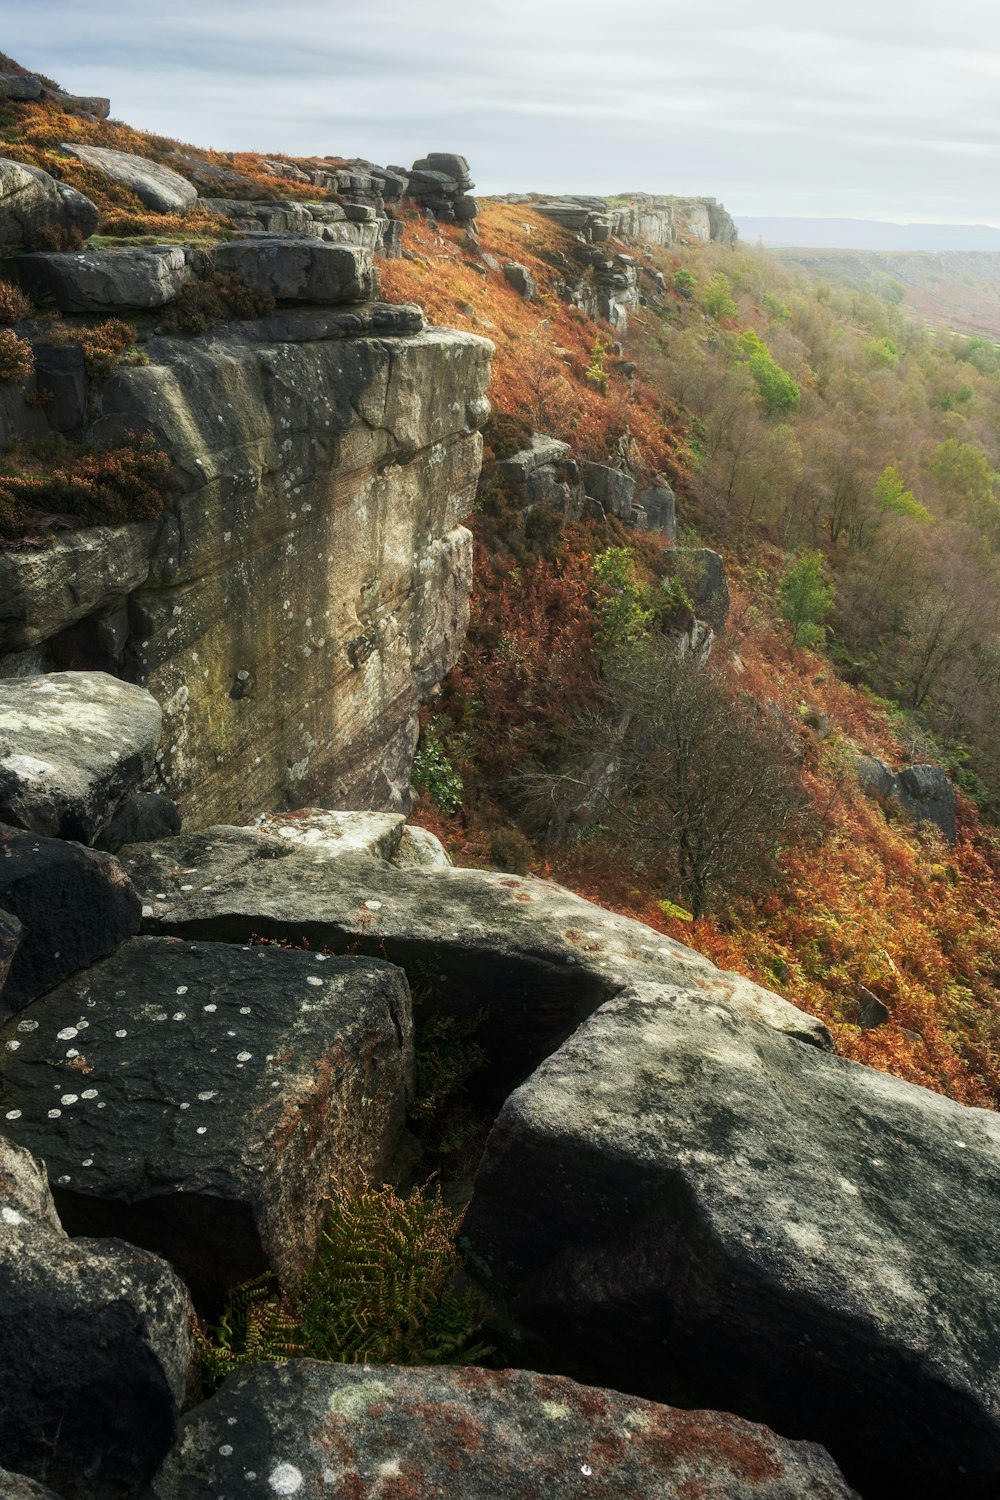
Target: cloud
[860, 109]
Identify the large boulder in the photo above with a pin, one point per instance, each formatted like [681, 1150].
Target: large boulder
[660, 504]
[315, 1430]
[926, 793]
[20, 86]
[162, 190]
[300, 268]
[535, 957]
[201, 1100]
[703, 574]
[74, 904]
[32, 202]
[697, 1204]
[73, 746]
[521, 279]
[95, 1348]
[106, 280]
[144, 818]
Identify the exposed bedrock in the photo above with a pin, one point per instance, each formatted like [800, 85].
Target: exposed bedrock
[308, 584]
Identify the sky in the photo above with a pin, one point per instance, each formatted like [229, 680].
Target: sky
[883, 109]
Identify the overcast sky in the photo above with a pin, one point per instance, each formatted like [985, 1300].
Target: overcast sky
[867, 108]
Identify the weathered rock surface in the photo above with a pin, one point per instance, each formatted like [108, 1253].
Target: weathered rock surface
[317, 831]
[20, 86]
[80, 574]
[11, 935]
[74, 904]
[162, 190]
[142, 819]
[73, 746]
[314, 1430]
[656, 220]
[31, 201]
[521, 279]
[95, 1348]
[106, 280]
[300, 268]
[200, 1099]
[698, 1203]
[440, 184]
[536, 957]
[19, 1487]
[660, 504]
[923, 792]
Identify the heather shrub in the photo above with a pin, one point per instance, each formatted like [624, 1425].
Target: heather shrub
[17, 360]
[220, 298]
[14, 305]
[105, 346]
[59, 237]
[127, 483]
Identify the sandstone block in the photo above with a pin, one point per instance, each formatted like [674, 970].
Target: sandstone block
[73, 746]
[312, 1430]
[31, 201]
[200, 1099]
[162, 190]
[106, 280]
[715, 1208]
[95, 1348]
[300, 268]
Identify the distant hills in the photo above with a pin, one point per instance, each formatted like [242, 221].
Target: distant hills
[867, 234]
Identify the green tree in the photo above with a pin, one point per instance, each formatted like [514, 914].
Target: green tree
[717, 299]
[893, 496]
[805, 596]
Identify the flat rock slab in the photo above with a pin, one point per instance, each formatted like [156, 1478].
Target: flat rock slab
[95, 1348]
[381, 1431]
[74, 905]
[73, 746]
[296, 268]
[162, 190]
[31, 201]
[536, 957]
[697, 1203]
[106, 280]
[201, 1099]
[334, 834]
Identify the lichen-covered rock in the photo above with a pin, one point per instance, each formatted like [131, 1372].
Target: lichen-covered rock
[381, 1431]
[926, 793]
[696, 1203]
[73, 746]
[20, 1487]
[106, 280]
[201, 1100]
[74, 904]
[95, 1348]
[521, 279]
[31, 201]
[316, 831]
[298, 268]
[536, 957]
[162, 190]
[703, 574]
[20, 86]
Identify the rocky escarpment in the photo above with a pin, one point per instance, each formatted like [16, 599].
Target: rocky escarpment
[656, 220]
[307, 584]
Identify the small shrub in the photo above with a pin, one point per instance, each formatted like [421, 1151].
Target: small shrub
[434, 773]
[717, 297]
[510, 850]
[379, 1292]
[220, 298]
[447, 1055]
[14, 305]
[59, 237]
[682, 281]
[106, 346]
[506, 435]
[17, 359]
[127, 483]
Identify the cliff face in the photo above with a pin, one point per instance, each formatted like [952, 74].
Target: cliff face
[653, 219]
[309, 582]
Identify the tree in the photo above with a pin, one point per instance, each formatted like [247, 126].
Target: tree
[693, 786]
[805, 596]
[717, 297]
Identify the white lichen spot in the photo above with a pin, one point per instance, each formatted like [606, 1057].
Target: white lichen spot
[62, 1181]
[67, 1034]
[373, 906]
[89, 1094]
[556, 1411]
[13, 1114]
[180, 1015]
[69, 1099]
[243, 1056]
[182, 989]
[13, 1046]
[244, 1010]
[55, 1114]
[202, 1129]
[208, 1094]
[87, 1162]
[313, 979]
[211, 1008]
[231, 1421]
[27, 1025]
[226, 1450]
[10, 1215]
[185, 1106]
[147, 911]
[586, 1470]
[121, 1033]
[286, 1479]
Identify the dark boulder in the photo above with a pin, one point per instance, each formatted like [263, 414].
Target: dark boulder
[521, 279]
[145, 817]
[700, 1206]
[926, 793]
[300, 268]
[315, 1430]
[201, 1099]
[74, 904]
[11, 933]
[95, 1348]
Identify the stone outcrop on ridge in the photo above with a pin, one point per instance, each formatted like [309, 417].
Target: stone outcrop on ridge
[73, 747]
[95, 1348]
[200, 1100]
[159, 188]
[315, 1430]
[657, 220]
[106, 280]
[32, 202]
